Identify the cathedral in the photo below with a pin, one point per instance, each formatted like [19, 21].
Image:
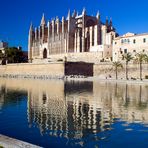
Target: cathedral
[78, 33]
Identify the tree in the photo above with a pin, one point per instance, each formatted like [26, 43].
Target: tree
[14, 55]
[1, 55]
[2, 58]
[140, 58]
[146, 59]
[117, 65]
[128, 57]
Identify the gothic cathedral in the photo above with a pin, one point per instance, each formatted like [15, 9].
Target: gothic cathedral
[75, 34]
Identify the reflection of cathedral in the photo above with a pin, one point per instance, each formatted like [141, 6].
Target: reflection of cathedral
[78, 110]
[77, 33]
[64, 116]
[75, 114]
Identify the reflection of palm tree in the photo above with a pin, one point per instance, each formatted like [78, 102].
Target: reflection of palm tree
[116, 86]
[140, 97]
[117, 65]
[128, 57]
[141, 104]
[126, 96]
[140, 58]
[140, 93]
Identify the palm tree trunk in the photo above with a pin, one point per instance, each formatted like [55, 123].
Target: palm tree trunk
[140, 70]
[126, 70]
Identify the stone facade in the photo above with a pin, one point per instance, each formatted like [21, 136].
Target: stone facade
[76, 34]
[131, 43]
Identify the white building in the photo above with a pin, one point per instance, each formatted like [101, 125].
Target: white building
[132, 43]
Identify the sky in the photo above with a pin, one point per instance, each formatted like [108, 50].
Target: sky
[16, 15]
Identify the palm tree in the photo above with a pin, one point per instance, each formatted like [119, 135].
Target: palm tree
[128, 57]
[140, 58]
[146, 59]
[117, 65]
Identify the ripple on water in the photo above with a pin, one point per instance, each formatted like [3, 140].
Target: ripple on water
[76, 115]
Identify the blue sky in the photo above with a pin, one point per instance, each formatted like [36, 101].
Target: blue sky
[16, 15]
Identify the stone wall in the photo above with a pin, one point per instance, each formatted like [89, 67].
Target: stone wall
[91, 57]
[106, 70]
[57, 70]
[52, 70]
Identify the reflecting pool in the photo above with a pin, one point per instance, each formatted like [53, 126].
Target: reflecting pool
[75, 114]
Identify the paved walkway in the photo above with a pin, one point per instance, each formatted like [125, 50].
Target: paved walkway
[144, 81]
[8, 142]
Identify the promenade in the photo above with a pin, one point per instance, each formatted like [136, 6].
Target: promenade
[7, 142]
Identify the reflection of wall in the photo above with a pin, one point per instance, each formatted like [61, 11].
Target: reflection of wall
[129, 102]
[76, 109]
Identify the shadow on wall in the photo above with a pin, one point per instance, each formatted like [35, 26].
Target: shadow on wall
[79, 68]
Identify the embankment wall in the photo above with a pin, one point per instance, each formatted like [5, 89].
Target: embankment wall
[106, 70]
[52, 70]
[57, 70]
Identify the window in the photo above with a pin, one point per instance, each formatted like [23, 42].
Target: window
[144, 40]
[134, 41]
[125, 50]
[115, 43]
[122, 41]
[143, 50]
[128, 41]
[134, 50]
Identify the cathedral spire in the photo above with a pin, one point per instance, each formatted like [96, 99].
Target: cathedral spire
[74, 14]
[77, 13]
[43, 22]
[84, 11]
[110, 23]
[68, 15]
[98, 15]
[106, 21]
[63, 18]
[31, 27]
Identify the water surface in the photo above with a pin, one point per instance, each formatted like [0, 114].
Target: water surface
[74, 114]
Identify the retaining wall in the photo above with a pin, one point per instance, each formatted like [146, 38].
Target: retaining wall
[58, 70]
[106, 70]
[52, 70]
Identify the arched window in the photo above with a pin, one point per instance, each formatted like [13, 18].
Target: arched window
[45, 53]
